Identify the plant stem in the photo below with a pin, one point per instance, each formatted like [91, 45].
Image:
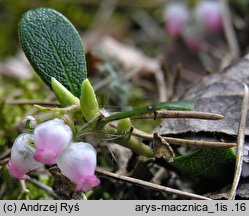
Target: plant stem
[180, 114]
[128, 141]
[178, 105]
[240, 144]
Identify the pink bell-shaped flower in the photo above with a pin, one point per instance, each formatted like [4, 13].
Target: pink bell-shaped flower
[208, 14]
[78, 163]
[21, 159]
[51, 138]
[176, 15]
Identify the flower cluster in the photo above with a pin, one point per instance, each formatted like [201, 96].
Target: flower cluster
[192, 24]
[52, 143]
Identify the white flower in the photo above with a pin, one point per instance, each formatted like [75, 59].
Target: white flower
[21, 159]
[208, 14]
[176, 15]
[51, 138]
[78, 163]
[30, 122]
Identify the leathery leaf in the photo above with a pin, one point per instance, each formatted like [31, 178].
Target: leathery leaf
[53, 47]
[213, 164]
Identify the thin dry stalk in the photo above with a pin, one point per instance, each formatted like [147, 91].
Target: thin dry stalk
[185, 142]
[199, 143]
[229, 30]
[240, 144]
[161, 85]
[150, 185]
[180, 114]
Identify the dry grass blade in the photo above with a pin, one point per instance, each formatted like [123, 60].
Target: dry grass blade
[186, 142]
[240, 144]
[241, 135]
[150, 185]
[180, 114]
[161, 85]
[229, 31]
[197, 143]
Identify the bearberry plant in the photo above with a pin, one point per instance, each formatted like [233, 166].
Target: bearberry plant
[57, 135]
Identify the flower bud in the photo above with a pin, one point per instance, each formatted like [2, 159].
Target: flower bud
[88, 101]
[208, 14]
[124, 125]
[78, 163]
[21, 159]
[30, 122]
[51, 138]
[176, 16]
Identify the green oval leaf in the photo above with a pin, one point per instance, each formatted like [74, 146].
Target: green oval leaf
[214, 164]
[53, 47]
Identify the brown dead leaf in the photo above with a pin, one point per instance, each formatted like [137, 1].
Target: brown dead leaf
[161, 148]
[219, 93]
